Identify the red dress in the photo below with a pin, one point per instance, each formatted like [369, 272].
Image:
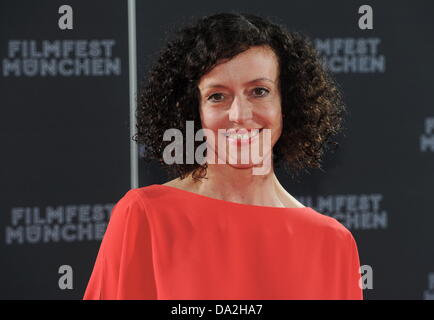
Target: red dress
[166, 243]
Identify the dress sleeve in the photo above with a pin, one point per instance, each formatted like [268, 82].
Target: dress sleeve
[123, 268]
[354, 289]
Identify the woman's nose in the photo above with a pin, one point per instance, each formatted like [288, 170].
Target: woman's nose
[240, 110]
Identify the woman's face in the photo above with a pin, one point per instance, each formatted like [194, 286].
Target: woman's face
[242, 93]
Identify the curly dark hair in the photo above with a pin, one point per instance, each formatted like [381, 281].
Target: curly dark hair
[312, 106]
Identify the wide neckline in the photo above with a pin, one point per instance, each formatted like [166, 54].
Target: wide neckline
[225, 201]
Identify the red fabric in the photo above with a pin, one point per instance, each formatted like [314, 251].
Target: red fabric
[167, 243]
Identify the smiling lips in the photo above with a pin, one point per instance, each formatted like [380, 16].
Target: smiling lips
[242, 136]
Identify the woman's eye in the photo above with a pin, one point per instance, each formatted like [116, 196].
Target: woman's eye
[260, 92]
[218, 95]
[257, 92]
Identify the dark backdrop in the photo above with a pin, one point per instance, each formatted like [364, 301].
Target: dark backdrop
[65, 138]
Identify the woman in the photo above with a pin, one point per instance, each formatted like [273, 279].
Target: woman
[218, 231]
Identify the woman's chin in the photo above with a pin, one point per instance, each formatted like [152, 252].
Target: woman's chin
[241, 166]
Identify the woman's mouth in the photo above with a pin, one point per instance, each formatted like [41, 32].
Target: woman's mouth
[242, 136]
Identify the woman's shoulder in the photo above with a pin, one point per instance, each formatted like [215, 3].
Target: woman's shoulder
[314, 221]
[158, 195]
[332, 229]
[152, 192]
[137, 200]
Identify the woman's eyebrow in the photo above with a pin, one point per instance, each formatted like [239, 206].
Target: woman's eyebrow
[260, 79]
[216, 85]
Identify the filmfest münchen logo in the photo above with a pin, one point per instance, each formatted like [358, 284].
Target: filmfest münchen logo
[351, 55]
[354, 211]
[426, 140]
[60, 58]
[61, 223]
